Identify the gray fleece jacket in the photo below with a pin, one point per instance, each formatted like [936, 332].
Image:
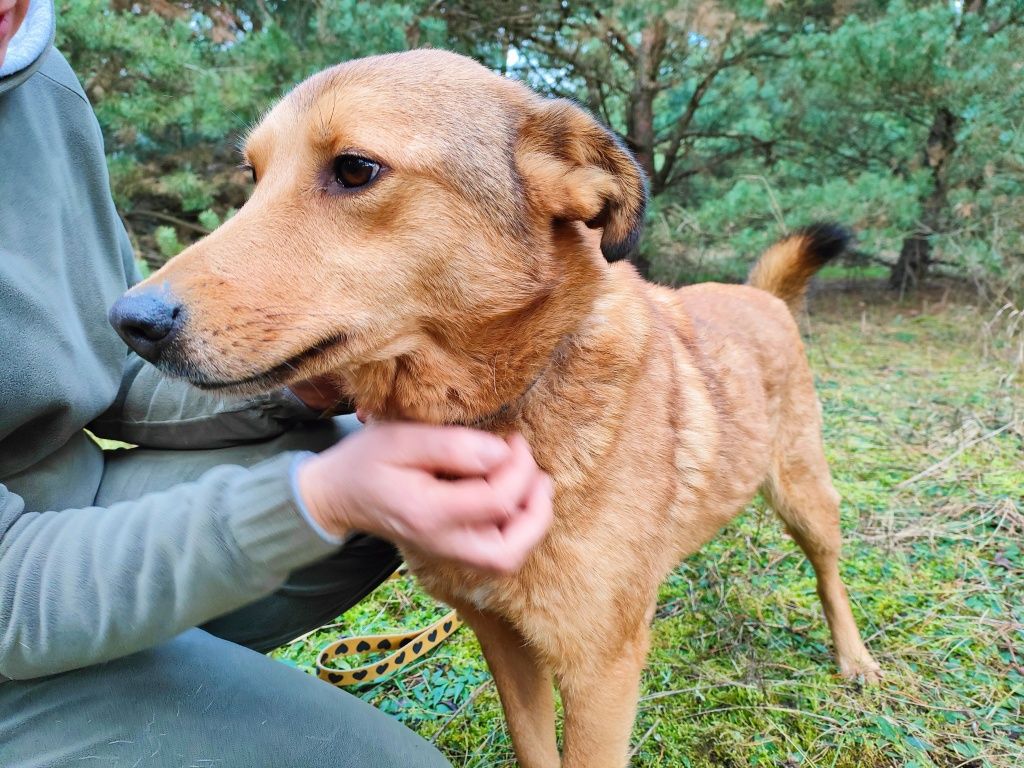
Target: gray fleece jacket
[81, 584]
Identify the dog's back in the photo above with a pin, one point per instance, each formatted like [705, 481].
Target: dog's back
[741, 379]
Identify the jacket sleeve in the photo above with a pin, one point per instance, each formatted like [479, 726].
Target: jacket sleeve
[154, 411]
[81, 586]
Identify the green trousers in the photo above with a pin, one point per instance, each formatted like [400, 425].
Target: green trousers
[208, 698]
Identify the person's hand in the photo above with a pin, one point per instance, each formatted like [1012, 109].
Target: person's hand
[451, 492]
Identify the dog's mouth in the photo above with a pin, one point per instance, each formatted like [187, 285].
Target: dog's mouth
[266, 380]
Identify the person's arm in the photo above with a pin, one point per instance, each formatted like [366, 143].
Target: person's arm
[80, 586]
[154, 411]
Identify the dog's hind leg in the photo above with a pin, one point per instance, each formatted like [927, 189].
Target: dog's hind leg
[524, 685]
[800, 490]
[599, 693]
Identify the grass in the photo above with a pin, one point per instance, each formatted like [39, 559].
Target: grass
[740, 672]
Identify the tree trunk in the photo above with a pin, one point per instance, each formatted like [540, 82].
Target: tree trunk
[640, 113]
[916, 254]
[412, 35]
[912, 267]
[640, 117]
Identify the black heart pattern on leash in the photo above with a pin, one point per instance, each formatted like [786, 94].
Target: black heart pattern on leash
[407, 647]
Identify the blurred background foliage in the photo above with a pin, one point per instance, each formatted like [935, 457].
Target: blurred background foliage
[904, 120]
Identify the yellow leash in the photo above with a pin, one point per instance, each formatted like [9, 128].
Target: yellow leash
[407, 647]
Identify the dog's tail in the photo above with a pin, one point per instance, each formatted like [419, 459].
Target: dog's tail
[786, 267]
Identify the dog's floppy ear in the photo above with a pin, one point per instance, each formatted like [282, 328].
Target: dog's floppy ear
[576, 169]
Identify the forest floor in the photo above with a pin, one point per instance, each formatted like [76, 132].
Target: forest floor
[924, 428]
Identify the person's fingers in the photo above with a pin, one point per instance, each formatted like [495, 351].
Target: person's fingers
[456, 451]
[528, 527]
[471, 501]
[474, 501]
[481, 547]
[501, 550]
[513, 479]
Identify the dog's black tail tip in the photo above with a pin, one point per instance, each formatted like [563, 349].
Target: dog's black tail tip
[824, 240]
[786, 267]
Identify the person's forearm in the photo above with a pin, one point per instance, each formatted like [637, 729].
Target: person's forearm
[156, 411]
[82, 586]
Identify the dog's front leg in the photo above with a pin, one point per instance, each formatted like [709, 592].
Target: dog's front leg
[524, 685]
[600, 695]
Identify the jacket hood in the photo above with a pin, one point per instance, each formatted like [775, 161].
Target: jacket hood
[29, 45]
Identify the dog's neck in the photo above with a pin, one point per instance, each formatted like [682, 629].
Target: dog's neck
[508, 411]
[484, 376]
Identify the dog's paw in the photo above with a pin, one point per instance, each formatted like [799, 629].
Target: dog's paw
[862, 669]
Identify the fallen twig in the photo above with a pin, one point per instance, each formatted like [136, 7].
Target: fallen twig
[469, 700]
[647, 735]
[946, 461]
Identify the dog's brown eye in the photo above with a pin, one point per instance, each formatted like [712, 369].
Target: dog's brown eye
[250, 169]
[351, 171]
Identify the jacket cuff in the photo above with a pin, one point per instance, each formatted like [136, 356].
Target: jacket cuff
[322, 532]
[268, 525]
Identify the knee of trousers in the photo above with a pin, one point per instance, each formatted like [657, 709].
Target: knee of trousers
[199, 700]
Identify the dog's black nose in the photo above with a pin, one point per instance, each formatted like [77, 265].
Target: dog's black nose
[147, 321]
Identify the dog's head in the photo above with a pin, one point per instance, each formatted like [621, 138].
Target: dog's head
[398, 200]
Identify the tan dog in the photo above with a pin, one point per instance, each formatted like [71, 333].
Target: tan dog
[419, 229]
